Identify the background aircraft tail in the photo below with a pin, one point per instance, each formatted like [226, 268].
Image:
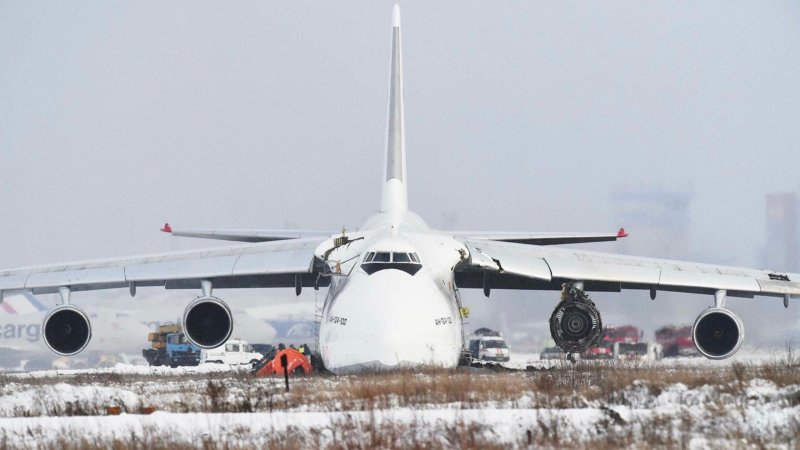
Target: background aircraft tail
[21, 303]
[395, 193]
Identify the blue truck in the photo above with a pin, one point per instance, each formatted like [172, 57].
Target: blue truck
[169, 347]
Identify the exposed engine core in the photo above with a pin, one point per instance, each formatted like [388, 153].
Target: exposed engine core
[208, 322]
[575, 324]
[718, 333]
[66, 330]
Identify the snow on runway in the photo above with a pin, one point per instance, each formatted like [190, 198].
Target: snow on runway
[692, 406]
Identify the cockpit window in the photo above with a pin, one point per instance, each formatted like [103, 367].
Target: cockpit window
[400, 257]
[382, 257]
[406, 262]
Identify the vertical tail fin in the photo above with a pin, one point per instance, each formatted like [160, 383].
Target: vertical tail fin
[395, 193]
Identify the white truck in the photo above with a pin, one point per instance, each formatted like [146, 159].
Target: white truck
[488, 345]
[234, 351]
[638, 351]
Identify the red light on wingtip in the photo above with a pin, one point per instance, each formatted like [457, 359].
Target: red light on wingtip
[167, 228]
[621, 233]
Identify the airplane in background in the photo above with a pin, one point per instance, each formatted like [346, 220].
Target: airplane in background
[21, 316]
[393, 286]
[125, 331]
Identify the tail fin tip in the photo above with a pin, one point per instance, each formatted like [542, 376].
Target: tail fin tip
[396, 16]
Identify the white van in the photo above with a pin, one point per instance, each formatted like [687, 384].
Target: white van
[235, 351]
[488, 345]
[639, 351]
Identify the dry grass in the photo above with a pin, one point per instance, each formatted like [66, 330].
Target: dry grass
[602, 387]
[558, 388]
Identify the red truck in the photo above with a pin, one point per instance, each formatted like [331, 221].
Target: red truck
[611, 335]
[676, 341]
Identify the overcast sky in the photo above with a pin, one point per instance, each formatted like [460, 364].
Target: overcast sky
[118, 116]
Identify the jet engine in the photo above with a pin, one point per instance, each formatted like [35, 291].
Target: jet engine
[575, 324]
[67, 330]
[718, 333]
[208, 322]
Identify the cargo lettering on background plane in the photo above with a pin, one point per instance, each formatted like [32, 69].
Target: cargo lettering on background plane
[31, 332]
[20, 318]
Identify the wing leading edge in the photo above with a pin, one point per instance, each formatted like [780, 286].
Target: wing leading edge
[244, 235]
[540, 238]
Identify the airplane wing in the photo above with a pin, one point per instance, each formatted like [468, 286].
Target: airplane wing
[540, 238]
[501, 265]
[269, 264]
[244, 235]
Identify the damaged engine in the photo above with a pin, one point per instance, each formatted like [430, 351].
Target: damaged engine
[575, 324]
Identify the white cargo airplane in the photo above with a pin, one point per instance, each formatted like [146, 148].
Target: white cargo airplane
[393, 296]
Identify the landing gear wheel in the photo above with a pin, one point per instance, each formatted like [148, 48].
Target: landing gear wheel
[575, 324]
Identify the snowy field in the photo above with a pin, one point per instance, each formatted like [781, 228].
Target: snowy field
[684, 403]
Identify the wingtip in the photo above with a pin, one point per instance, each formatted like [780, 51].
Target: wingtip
[166, 228]
[622, 233]
[396, 16]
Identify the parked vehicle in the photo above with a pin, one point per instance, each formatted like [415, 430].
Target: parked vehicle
[169, 346]
[676, 341]
[639, 351]
[611, 335]
[234, 351]
[488, 345]
[552, 353]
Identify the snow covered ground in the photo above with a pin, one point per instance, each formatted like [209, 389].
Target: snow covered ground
[692, 405]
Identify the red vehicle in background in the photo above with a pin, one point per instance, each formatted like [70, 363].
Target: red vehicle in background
[611, 335]
[676, 341]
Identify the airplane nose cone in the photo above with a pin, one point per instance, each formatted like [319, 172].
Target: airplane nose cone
[387, 320]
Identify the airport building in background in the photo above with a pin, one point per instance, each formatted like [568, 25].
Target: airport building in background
[658, 221]
[782, 244]
[659, 224]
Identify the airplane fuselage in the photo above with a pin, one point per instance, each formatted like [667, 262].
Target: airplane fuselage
[392, 300]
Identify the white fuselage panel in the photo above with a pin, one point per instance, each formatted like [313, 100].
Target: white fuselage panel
[392, 318]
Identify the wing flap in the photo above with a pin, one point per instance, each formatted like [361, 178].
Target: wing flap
[576, 269]
[12, 282]
[780, 287]
[107, 276]
[208, 267]
[709, 281]
[513, 262]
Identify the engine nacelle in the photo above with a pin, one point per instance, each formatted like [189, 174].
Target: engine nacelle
[207, 322]
[576, 325]
[67, 330]
[718, 333]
